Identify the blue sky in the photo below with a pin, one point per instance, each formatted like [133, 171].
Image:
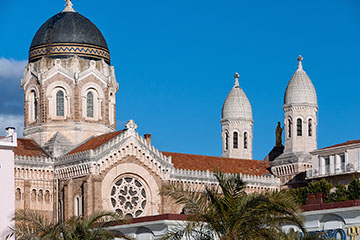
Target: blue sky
[175, 61]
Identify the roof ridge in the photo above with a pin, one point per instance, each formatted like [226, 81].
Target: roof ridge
[213, 156]
[348, 142]
[95, 145]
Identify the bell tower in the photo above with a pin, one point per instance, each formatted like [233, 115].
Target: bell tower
[237, 124]
[300, 109]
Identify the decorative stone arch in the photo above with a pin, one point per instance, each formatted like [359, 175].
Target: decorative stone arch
[33, 194]
[310, 126]
[40, 195]
[98, 98]
[236, 139]
[135, 171]
[32, 101]
[47, 196]
[226, 142]
[246, 139]
[51, 92]
[18, 194]
[296, 124]
[78, 207]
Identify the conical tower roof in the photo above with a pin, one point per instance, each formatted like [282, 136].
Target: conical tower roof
[300, 89]
[237, 105]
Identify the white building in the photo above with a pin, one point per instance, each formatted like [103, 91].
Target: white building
[338, 163]
[7, 200]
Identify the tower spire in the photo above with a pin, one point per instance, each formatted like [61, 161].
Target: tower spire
[236, 76]
[68, 6]
[300, 58]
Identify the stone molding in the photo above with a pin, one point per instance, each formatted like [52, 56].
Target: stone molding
[45, 162]
[106, 76]
[128, 143]
[207, 177]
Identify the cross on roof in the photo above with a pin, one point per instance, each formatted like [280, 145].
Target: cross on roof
[236, 76]
[300, 58]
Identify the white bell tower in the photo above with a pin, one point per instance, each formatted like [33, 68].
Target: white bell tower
[237, 123]
[300, 108]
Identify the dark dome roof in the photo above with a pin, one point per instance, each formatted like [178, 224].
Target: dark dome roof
[68, 29]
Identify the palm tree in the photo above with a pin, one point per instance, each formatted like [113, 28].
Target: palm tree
[31, 225]
[227, 212]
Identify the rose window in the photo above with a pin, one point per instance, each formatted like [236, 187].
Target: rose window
[128, 197]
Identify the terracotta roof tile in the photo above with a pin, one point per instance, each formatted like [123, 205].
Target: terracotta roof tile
[343, 144]
[211, 163]
[28, 147]
[95, 142]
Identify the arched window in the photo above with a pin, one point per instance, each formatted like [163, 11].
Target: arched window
[33, 195]
[47, 196]
[245, 140]
[299, 127]
[34, 105]
[236, 140]
[77, 206]
[18, 194]
[310, 128]
[40, 196]
[290, 127]
[60, 103]
[90, 104]
[226, 140]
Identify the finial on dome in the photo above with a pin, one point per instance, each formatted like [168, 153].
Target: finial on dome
[236, 76]
[300, 58]
[68, 6]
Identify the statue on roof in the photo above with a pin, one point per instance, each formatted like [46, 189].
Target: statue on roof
[278, 134]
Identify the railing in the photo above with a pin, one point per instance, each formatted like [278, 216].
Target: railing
[331, 170]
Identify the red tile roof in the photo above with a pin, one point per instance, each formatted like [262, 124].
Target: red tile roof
[28, 147]
[95, 142]
[227, 165]
[343, 144]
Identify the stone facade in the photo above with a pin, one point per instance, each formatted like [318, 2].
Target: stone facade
[74, 78]
[90, 179]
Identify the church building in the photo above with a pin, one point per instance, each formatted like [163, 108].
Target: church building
[72, 161]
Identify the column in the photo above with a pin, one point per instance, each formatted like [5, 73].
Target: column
[321, 165]
[337, 163]
[347, 161]
[332, 164]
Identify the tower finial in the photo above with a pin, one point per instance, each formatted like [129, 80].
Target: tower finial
[68, 6]
[236, 76]
[300, 58]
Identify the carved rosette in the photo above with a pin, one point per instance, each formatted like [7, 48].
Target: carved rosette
[128, 197]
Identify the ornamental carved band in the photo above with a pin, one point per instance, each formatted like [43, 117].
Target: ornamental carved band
[128, 197]
[54, 49]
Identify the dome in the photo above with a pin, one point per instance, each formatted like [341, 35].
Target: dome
[300, 89]
[237, 105]
[69, 33]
